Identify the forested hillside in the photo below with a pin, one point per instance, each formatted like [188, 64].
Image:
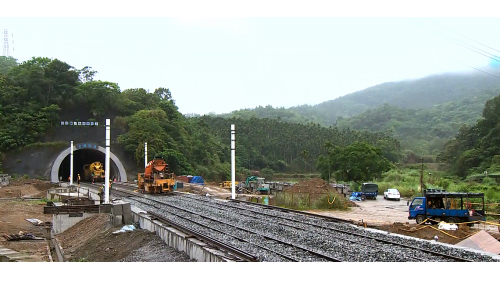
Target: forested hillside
[424, 131]
[269, 143]
[35, 92]
[423, 113]
[422, 93]
[476, 149]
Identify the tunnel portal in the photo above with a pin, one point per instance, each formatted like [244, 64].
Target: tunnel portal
[82, 157]
[85, 154]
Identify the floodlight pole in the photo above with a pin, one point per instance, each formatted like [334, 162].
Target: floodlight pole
[106, 168]
[233, 164]
[145, 154]
[71, 166]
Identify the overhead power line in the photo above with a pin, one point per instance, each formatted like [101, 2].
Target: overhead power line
[479, 51]
[465, 36]
[445, 37]
[478, 69]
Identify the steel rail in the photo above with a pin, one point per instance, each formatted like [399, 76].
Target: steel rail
[357, 234]
[230, 250]
[293, 211]
[304, 229]
[318, 216]
[211, 228]
[329, 258]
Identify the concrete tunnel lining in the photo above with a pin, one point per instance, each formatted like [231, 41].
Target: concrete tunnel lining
[54, 173]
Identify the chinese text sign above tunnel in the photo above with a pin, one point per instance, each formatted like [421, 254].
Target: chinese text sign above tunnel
[86, 145]
[71, 123]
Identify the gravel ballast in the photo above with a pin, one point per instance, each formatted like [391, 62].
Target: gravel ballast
[273, 235]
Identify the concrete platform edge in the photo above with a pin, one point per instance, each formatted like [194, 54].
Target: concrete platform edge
[178, 240]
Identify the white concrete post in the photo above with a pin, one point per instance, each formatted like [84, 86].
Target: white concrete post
[233, 164]
[145, 154]
[71, 166]
[106, 167]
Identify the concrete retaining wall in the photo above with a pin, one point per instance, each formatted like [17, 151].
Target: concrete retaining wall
[61, 222]
[176, 239]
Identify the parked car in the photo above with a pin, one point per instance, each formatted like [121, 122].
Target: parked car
[392, 194]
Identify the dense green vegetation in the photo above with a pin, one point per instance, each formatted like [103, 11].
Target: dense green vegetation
[288, 147]
[35, 92]
[422, 93]
[406, 179]
[476, 149]
[423, 131]
[358, 162]
[422, 113]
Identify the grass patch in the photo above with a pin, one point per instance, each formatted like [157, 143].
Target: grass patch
[310, 201]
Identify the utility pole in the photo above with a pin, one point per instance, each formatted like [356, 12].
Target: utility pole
[422, 175]
[106, 167]
[233, 164]
[145, 154]
[71, 166]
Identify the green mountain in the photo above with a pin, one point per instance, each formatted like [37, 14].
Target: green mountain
[423, 131]
[423, 113]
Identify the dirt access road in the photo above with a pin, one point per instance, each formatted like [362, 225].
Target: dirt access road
[377, 212]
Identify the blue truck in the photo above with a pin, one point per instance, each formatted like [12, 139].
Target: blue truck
[369, 190]
[450, 207]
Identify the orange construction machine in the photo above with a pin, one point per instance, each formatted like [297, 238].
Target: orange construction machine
[156, 178]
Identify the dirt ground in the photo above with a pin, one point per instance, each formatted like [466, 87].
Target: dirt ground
[25, 188]
[392, 216]
[88, 241]
[13, 215]
[92, 240]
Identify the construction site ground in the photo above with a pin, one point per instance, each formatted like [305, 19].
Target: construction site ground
[92, 239]
[89, 240]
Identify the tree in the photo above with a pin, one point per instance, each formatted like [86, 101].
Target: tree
[6, 64]
[357, 162]
[328, 145]
[305, 156]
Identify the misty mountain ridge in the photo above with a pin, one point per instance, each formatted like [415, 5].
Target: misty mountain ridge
[423, 113]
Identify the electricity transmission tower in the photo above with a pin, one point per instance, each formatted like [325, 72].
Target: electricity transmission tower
[6, 52]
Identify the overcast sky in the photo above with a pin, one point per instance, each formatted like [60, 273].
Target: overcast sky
[224, 64]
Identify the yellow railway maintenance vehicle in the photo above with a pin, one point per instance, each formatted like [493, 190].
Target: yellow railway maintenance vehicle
[156, 178]
[94, 172]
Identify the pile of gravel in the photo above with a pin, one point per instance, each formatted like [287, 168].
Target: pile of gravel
[156, 251]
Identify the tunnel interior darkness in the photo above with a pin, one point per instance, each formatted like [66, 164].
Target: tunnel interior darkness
[82, 157]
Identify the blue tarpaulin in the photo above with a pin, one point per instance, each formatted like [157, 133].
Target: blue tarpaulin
[198, 180]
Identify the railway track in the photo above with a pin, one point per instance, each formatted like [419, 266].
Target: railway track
[268, 247]
[271, 233]
[323, 226]
[127, 191]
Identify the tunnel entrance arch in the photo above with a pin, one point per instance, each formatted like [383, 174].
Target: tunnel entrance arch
[121, 174]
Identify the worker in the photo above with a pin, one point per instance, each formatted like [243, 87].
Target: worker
[101, 194]
[69, 179]
[431, 204]
[78, 180]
